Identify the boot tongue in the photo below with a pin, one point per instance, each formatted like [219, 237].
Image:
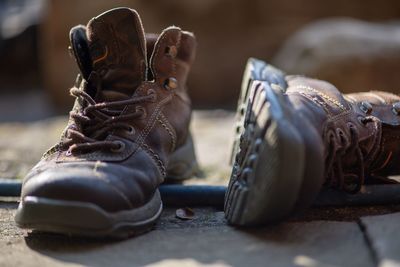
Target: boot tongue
[117, 49]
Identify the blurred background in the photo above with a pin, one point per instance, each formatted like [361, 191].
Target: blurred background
[354, 44]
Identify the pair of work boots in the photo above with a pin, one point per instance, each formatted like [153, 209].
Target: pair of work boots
[129, 132]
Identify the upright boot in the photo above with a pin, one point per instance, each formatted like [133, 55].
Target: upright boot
[297, 135]
[131, 117]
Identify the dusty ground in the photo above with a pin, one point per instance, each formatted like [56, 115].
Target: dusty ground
[364, 237]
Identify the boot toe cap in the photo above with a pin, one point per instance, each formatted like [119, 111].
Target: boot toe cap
[80, 185]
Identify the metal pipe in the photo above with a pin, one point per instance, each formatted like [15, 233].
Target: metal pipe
[206, 195]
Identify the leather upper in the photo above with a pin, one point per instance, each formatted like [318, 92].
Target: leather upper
[357, 144]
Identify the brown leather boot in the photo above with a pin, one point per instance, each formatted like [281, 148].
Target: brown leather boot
[129, 127]
[299, 134]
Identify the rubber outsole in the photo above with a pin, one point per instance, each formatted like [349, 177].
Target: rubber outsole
[269, 153]
[268, 168]
[255, 70]
[86, 219]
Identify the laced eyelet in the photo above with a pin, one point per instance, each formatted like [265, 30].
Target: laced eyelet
[171, 51]
[171, 83]
[362, 120]
[340, 131]
[396, 108]
[120, 148]
[366, 107]
[350, 125]
[131, 130]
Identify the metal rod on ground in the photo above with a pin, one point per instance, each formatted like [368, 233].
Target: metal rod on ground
[10, 188]
[206, 195]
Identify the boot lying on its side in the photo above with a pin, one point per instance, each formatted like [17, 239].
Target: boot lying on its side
[296, 134]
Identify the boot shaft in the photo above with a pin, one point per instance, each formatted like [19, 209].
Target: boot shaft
[114, 46]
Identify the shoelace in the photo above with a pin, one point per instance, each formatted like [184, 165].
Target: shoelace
[92, 124]
[336, 176]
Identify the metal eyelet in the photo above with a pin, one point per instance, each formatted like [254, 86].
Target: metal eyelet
[171, 83]
[361, 120]
[396, 108]
[131, 130]
[171, 51]
[121, 146]
[68, 153]
[366, 107]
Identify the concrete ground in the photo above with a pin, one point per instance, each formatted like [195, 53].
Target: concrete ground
[365, 236]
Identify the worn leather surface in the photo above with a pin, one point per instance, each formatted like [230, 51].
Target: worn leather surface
[127, 67]
[357, 144]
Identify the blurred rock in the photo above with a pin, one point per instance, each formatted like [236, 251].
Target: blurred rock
[351, 54]
[18, 43]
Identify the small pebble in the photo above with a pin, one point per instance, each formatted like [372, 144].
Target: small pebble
[184, 214]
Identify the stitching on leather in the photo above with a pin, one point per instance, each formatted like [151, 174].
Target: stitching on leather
[154, 156]
[140, 139]
[316, 101]
[168, 127]
[324, 96]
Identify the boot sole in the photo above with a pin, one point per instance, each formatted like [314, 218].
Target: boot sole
[86, 219]
[254, 70]
[269, 156]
